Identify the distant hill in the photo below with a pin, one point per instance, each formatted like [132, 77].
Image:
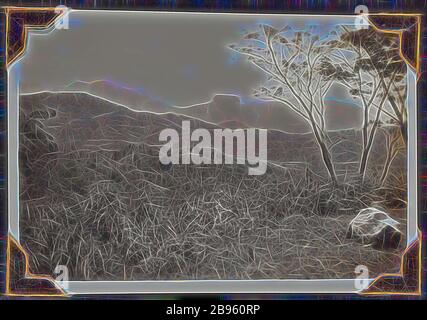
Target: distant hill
[224, 108]
[80, 120]
[119, 94]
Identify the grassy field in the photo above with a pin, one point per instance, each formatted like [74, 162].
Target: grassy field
[95, 198]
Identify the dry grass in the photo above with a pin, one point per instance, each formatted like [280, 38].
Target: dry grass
[119, 215]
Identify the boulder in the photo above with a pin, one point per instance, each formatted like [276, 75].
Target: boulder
[374, 227]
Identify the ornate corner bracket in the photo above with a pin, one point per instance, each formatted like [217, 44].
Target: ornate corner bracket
[408, 28]
[407, 281]
[18, 20]
[19, 279]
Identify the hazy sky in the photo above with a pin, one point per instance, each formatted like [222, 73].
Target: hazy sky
[179, 58]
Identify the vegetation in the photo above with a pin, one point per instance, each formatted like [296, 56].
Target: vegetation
[108, 210]
[301, 67]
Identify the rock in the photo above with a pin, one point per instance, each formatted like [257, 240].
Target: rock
[374, 227]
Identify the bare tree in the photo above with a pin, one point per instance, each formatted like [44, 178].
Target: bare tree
[394, 144]
[299, 74]
[379, 72]
[398, 113]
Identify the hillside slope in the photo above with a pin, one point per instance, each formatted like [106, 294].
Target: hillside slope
[94, 197]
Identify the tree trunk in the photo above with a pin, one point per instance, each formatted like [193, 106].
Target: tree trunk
[364, 157]
[367, 145]
[392, 145]
[404, 132]
[363, 161]
[386, 167]
[326, 155]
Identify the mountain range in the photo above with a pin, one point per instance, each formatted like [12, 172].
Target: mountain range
[226, 110]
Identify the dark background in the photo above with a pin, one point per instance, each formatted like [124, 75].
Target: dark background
[283, 6]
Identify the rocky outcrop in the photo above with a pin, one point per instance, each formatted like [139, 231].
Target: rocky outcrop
[374, 227]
